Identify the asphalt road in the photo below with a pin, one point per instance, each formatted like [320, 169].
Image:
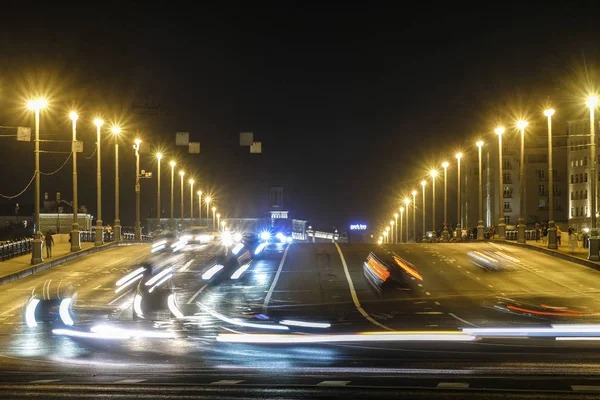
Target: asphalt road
[319, 283]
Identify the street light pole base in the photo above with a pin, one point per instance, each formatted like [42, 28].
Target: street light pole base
[36, 249]
[552, 236]
[458, 233]
[75, 238]
[594, 254]
[502, 230]
[424, 239]
[138, 232]
[117, 230]
[521, 231]
[445, 235]
[99, 236]
[480, 229]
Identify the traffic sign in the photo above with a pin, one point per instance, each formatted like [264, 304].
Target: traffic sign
[77, 146]
[23, 134]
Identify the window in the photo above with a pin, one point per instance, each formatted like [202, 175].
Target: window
[581, 212]
[507, 191]
[576, 212]
[555, 189]
[573, 181]
[506, 164]
[541, 174]
[572, 212]
[537, 158]
[572, 195]
[585, 161]
[576, 195]
[541, 204]
[585, 195]
[572, 163]
[581, 178]
[585, 177]
[585, 211]
[577, 163]
[506, 177]
[541, 189]
[576, 178]
[506, 219]
[507, 206]
[581, 195]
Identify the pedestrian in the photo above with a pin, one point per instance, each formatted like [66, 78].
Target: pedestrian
[492, 232]
[49, 243]
[558, 235]
[544, 234]
[537, 232]
[572, 239]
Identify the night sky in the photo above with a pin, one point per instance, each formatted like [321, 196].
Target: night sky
[351, 103]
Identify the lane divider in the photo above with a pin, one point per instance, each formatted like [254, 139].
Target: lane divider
[354, 295]
[272, 288]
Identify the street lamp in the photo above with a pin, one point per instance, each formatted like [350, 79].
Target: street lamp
[445, 234]
[219, 220]
[407, 202]
[199, 192]
[191, 202]
[99, 236]
[138, 226]
[414, 194]
[521, 224]
[551, 224]
[594, 248]
[458, 224]
[433, 175]
[181, 175]
[36, 251]
[207, 201]
[387, 233]
[392, 225]
[75, 238]
[401, 223]
[396, 218]
[223, 227]
[172, 164]
[480, 226]
[116, 131]
[214, 209]
[423, 184]
[159, 157]
[501, 225]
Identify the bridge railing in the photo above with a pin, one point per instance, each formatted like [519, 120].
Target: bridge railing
[16, 248]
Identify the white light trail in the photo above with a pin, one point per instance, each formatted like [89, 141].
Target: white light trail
[130, 333]
[157, 277]
[130, 275]
[236, 321]
[383, 337]
[163, 280]
[260, 248]
[240, 271]
[88, 335]
[305, 324]
[30, 313]
[236, 249]
[159, 243]
[63, 311]
[137, 278]
[157, 248]
[574, 338]
[137, 305]
[212, 271]
[173, 307]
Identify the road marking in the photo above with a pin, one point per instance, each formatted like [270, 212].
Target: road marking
[45, 381]
[97, 287]
[453, 385]
[587, 388]
[353, 292]
[226, 382]
[118, 298]
[270, 292]
[197, 293]
[490, 286]
[460, 319]
[129, 381]
[437, 303]
[333, 383]
[429, 312]
[428, 294]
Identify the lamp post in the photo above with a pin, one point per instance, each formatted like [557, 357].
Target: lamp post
[36, 251]
[116, 131]
[521, 224]
[199, 192]
[172, 221]
[414, 194]
[407, 202]
[396, 223]
[385, 235]
[392, 225]
[594, 248]
[445, 233]
[181, 175]
[207, 201]
[551, 224]
[75, 238]
[99, 236]
[223, 227]
[401, 223]
[501, 225]
[458, 224]
[480, 226]
[219, 220]
[433, 175]
[423, 184]
[191, 202]
[214, 209]
[158, 224]
[138, 226]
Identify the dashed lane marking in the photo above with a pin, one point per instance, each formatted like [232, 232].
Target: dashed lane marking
[196, 294]
[226, 382]
[453, 385]
[428, 294]
[586, 388]
[45, 381]
[129, 381]
[464, 321]
[353, 292]
[270, 292]
[118, 298]
[333, 383]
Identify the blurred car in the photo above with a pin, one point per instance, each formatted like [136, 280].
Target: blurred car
[196, 235]
[163, 242]
[492, 261]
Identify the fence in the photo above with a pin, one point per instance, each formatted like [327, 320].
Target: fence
[530, 234]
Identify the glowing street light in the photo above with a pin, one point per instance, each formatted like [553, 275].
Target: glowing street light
[181, 175]
[594, 240]
[551, 224]
[207, 200]
[521, 224]
[396, 219]
[392, 225]
[401, 223]
[116, 131]
[191, 181]
[214, 210]
[423, 184]
[480, 226]
[458, 224]
[219, 219]
[138, 225]
[433, 174]
[172, 164]
[501, 224]
[406, 203]
[445, 234]
[414, 195]
[36, 252]
[75, 238]
[199, 192]
[99, 236]
[159, 157]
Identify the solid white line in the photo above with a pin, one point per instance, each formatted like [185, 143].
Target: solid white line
[226, 382]
[333, 383]
[45, 381]
[129, 381]
[586, 388]
[196, 294]
[120, 297]
[353, 292]
[272, 288]
[464, 321]
[453, 385]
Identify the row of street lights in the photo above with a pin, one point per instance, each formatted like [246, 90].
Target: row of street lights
[521, 125]
[36, 257]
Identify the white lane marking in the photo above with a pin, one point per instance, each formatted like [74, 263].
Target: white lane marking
[437, 303]
[226, 382]
[453, 385]
[464, 321]
[587, 388]
[272, 288]
[45, 381]
[129, 381]
[428, 294]
[353, 292]
[120, 297]
[197, 293]
[333, 383]
[97, 287]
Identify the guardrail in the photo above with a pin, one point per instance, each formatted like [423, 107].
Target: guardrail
[530, 234]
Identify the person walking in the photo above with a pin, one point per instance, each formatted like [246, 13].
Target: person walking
[49, 240]
[558, 235]
[572, 239]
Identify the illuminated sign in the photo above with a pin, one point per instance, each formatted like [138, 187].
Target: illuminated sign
[358, 227]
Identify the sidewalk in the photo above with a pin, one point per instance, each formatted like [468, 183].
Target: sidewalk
[564, 251]
[19, 263]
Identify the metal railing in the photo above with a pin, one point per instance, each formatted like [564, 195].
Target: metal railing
[15, 249]
[530, 234]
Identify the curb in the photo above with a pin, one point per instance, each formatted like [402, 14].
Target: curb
[557, 254]
[61, 260]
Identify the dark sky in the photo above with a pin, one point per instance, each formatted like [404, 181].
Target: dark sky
[348, 101]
